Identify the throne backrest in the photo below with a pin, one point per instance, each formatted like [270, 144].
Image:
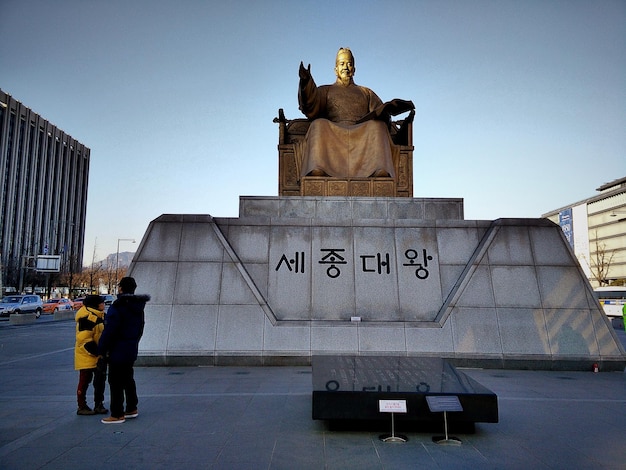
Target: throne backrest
[291, 183]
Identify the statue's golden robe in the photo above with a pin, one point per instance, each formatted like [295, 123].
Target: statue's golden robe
[336, 142]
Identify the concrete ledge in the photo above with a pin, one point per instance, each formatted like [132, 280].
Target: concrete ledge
[64, 315]
[22, 318]
[175, 361]
[548, 364]
[223, 361]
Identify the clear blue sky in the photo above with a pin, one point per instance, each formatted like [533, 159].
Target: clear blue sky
[520, 105]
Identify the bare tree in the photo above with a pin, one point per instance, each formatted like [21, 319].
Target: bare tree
[93, 271]
[601, 262]
[109, 273]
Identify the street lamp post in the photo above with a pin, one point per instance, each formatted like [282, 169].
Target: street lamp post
[117, 257]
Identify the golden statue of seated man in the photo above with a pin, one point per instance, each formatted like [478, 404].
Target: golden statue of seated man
[349, 135]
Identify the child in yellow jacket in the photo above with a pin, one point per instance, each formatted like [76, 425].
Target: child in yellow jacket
[89, 326]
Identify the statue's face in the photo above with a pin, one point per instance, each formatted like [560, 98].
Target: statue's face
[344, 66]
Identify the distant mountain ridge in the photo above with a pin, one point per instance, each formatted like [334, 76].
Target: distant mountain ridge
[125, 257]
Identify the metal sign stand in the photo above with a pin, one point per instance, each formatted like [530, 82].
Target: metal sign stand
[392, 437]
[392, 406]
[446, 403]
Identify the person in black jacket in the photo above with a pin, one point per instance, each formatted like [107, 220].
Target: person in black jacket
[119, 343]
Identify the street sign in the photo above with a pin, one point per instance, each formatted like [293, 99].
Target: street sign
[48, 263]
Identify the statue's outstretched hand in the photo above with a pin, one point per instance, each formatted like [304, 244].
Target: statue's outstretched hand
[305, 73]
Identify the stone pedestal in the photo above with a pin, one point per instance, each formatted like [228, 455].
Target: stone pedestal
[294, 277]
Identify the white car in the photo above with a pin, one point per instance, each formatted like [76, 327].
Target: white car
[15, 304]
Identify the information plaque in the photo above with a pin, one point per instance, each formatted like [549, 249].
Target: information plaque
[441, 403]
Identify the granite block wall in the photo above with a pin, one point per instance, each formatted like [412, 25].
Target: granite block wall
[296, 277]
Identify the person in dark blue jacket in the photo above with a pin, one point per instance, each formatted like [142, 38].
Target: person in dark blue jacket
[119, 343]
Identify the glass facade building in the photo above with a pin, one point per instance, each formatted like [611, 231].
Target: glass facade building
[43, 194]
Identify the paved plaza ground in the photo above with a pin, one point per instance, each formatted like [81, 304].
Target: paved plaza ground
[260, 418]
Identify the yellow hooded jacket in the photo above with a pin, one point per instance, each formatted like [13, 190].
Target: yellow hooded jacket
[89, 326]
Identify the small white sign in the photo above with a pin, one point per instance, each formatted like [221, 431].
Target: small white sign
[392, 406]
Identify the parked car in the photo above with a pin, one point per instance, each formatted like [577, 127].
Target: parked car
[21, 304]
[108, 300]
[55, 305]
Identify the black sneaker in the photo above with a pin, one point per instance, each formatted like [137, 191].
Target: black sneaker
[85, 411]
[99, 409]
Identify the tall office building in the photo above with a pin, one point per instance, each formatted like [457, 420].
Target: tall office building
[43, 198]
